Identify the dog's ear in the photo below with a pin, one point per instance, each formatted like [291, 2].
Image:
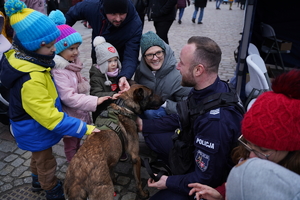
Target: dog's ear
[138, 95]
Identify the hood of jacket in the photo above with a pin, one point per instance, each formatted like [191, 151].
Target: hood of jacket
[167, 66]
[262, 179]
[60, 62]
[12, 68]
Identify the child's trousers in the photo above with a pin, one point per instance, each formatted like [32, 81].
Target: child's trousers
[71, 145]
[43, 164]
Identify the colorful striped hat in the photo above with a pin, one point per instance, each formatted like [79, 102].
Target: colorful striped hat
[32, 28]
[68, 35]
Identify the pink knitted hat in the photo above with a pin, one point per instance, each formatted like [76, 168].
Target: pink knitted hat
[273, 121]
[68, 35]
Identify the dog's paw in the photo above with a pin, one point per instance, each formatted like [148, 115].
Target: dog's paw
[143, 194]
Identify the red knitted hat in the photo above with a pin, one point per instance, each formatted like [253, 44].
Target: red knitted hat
[273, 121]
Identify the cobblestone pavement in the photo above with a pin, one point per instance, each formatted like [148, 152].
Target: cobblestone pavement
[224, 26]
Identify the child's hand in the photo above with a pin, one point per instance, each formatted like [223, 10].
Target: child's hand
[115, 96]
[102, 99]
[94, 131]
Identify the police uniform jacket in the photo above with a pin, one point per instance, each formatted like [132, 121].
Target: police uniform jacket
[216, 133]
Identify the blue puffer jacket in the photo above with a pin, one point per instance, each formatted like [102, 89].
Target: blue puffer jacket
[35, 109]
[125, 38]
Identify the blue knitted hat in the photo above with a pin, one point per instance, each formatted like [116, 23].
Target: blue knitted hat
[151, 39]
[68, 35]
[32, 28]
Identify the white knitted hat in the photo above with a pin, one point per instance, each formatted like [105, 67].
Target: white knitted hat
[105, 51]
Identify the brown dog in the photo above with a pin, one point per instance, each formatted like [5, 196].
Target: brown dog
[90, 173]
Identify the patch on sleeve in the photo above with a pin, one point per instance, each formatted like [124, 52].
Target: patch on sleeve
[214, 114]
[202, 160]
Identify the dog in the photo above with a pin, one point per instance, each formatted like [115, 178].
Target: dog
[90, 172]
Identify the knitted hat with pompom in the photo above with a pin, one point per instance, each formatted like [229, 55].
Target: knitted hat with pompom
[68, 35]
[105, 51]
[273, 120]
[151, 39]
[32, 28]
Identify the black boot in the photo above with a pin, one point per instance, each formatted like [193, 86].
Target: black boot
[36, 186]
[56, 193]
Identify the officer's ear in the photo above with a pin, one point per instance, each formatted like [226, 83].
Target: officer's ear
[198, 70]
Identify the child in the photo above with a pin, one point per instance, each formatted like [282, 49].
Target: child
[71, 86]
[103, 75]
[35, 110]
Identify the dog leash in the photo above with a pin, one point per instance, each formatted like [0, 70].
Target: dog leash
[155, 170]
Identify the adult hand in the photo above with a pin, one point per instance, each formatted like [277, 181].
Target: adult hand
[161, 184]
[102, 99]
[123, 84]
[139, 123]
[204, 192]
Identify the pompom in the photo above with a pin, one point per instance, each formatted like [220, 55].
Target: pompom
[98, 40]
[57, 17]
[288, 84]
[107, 83]
[13, 6]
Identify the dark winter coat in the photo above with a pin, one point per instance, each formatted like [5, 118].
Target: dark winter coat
[200, 3]
[140, 5]
[183, 3]
[126, 38]
[162, 10]
[99, 89]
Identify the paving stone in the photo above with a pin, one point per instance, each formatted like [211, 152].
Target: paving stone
[20, 152]
[7, 146]
[123, 180]
[6, 170]
[2, 165]
[129, 196]
[17, 162]
[26, 155]
[18, 171]
[7, 179]
[27, 173]
[6, 187]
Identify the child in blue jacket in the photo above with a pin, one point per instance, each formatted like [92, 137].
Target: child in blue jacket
[35, 109]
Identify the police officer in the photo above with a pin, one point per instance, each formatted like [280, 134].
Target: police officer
[216, 132]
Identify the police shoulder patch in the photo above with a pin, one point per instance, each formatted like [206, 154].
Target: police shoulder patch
[202, 160]
[214, 114]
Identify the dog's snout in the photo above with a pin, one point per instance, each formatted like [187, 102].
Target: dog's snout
[157, 100]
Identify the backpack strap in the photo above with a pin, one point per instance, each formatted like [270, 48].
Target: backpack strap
[217, 100]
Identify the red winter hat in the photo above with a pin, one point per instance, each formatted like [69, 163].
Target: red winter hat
[273, 121]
